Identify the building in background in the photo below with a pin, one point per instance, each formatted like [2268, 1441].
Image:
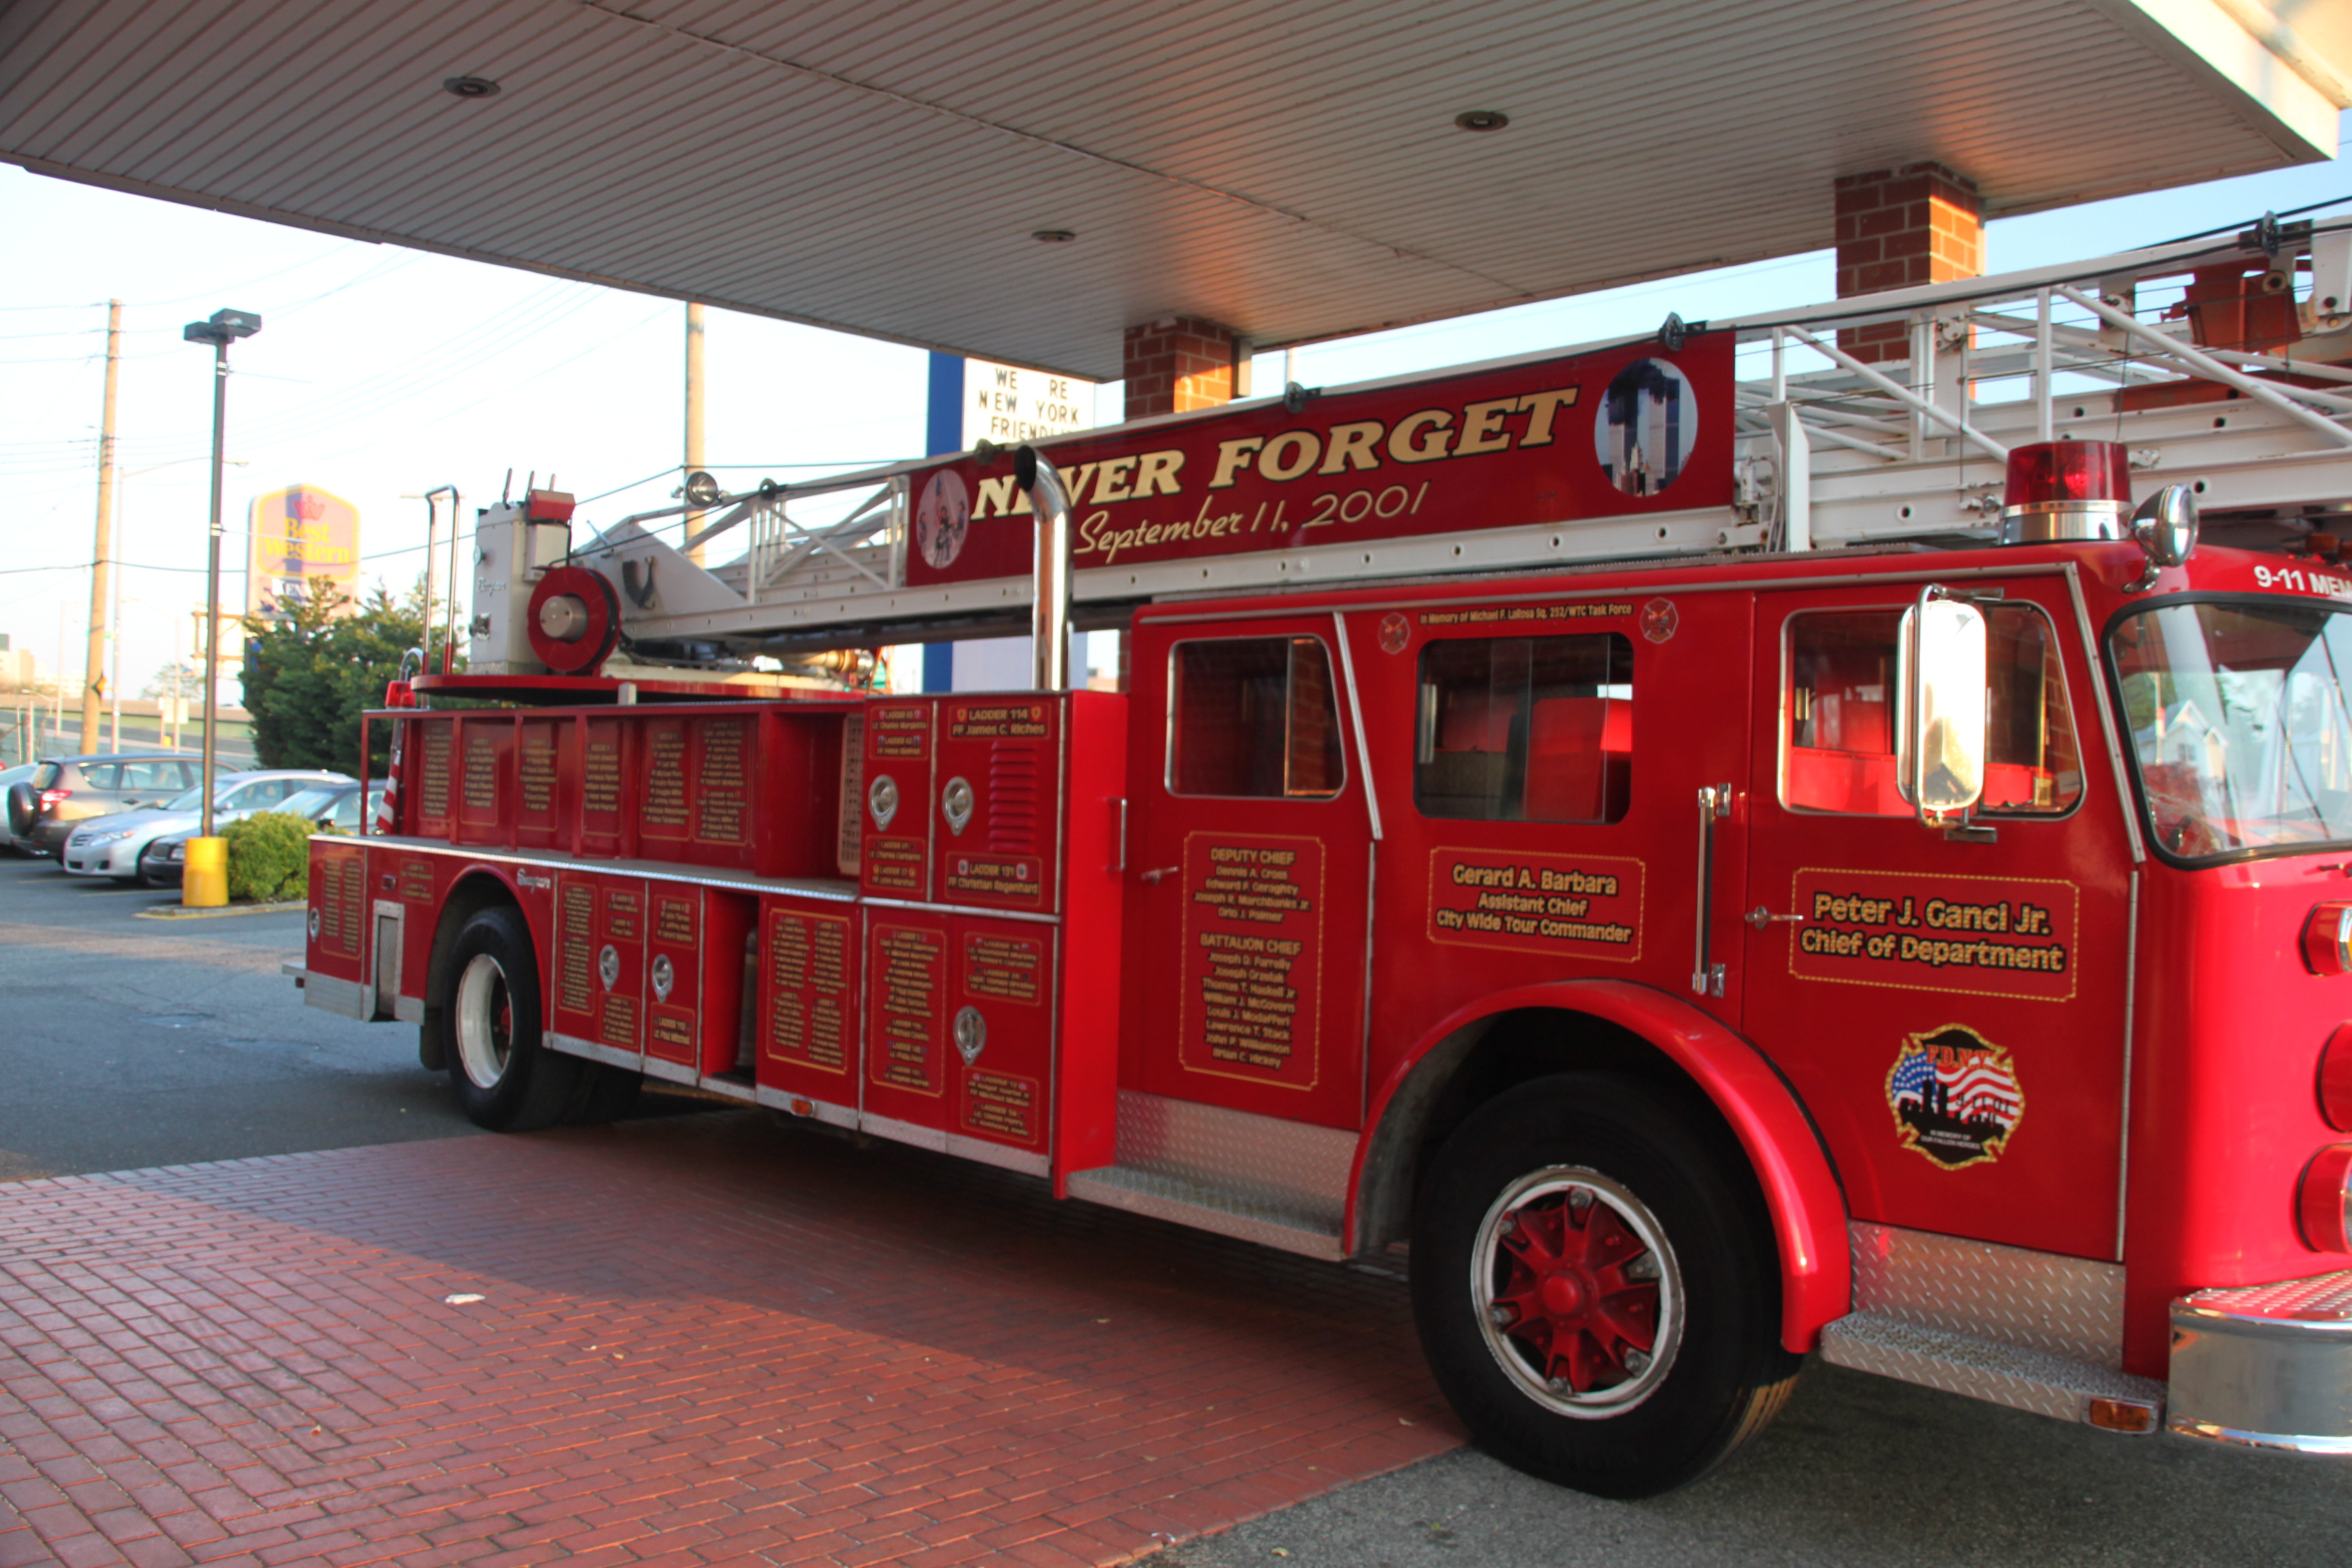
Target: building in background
[302, 542]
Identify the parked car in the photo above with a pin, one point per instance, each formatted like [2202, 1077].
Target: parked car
[9, 779]
[64, 791]
[112, 847]
[329, 807]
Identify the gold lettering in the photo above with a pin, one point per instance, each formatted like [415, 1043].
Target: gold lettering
[1351, 446]
[1540, 406]
[1232, 456]
[1111, 482]
[1421, 437]
[1157, 477]
[1290, 454]
[1482, 426]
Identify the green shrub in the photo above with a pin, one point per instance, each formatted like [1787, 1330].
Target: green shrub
[269, 857]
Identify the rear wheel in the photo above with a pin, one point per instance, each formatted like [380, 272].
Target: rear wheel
[505, 1078]
[1596, 1286]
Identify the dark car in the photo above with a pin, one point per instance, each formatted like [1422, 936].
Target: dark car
[66, 791]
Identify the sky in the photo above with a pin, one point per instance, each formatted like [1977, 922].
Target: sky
[380, 373]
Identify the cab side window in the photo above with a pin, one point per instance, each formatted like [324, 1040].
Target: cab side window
[1254, 717]
[1839, 714]
[1526, 728]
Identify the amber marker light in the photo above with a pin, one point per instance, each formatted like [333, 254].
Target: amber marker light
[2121, 1416]
[2327, 938]
[2320, 1199]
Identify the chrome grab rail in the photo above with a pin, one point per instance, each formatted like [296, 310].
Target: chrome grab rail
[1714, 806]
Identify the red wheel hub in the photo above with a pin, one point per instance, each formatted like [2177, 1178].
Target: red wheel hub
[1580, 1290]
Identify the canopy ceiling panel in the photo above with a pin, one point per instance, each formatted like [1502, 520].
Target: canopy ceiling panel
[1289, 168]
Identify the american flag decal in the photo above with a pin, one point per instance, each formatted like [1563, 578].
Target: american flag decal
[1954, 1096]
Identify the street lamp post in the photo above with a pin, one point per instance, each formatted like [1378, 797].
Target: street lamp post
[206, 878]
[122, 478]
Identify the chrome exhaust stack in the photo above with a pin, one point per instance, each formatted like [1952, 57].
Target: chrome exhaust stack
[1049, 610]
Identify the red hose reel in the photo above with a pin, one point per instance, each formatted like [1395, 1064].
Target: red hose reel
[575, 620]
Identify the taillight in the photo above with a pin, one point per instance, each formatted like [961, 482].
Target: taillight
[50, 797]
[2335, 1078]
[2327, 938]
[2320, 1200]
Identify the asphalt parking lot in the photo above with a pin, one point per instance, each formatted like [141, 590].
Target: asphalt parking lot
[135, 1043]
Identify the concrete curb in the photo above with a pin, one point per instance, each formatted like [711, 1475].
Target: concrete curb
[182, 912]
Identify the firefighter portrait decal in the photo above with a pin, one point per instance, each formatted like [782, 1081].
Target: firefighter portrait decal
[1954, 1096]
[942, 517]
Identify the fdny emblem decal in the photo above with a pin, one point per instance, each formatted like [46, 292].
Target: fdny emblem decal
[1954, 1096]
[1660, 619]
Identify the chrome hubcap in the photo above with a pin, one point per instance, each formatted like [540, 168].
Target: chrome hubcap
[485, 1022]
[1577, 1291]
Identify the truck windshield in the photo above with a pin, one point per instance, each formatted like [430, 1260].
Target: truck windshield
[2238, 722]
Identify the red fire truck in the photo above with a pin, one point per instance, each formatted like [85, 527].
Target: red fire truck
[1705, 849]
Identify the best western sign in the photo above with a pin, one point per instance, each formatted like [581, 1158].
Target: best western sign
[1624, 431]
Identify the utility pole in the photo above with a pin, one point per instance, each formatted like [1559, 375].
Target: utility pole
[93, 675]
[693, 412]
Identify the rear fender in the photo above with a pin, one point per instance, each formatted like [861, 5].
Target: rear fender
[1799, 1185]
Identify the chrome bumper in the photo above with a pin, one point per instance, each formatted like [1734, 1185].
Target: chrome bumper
[2265, 1367]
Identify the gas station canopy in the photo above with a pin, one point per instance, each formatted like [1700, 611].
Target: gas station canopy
[1022, 180]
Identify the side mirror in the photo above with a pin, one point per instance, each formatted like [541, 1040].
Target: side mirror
[1939, 755]
[2165, 528]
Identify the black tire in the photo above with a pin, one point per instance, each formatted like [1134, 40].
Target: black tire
[1519, 1205]
[23, 805]
[507, 1080]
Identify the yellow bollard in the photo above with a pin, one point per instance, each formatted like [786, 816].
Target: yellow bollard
[205, 884]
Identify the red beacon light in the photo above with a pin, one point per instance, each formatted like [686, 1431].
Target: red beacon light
[2067, 489]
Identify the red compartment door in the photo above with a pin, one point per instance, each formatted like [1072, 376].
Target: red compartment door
[808, 998]
[597, 992]
[907, 1051]
[1000, 1030]
[895, 859]
[673, 973]
[996, 815]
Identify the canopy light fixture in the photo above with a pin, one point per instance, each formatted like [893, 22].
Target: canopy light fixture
[1481, 120]
[1053, 236]
[470, 87]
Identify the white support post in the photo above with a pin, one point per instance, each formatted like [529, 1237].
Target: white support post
[2045, 364]
[1796, 464]
[1923, 380]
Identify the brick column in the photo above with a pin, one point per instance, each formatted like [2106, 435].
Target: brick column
[1176, 364]
[1897, 228]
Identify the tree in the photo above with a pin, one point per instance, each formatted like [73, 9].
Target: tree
[175, 679]
[310, 670]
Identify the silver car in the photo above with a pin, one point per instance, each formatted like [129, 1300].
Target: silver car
[113, 846]
[335, 806]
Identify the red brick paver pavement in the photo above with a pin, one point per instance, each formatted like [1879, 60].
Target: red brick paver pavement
[700, 1340]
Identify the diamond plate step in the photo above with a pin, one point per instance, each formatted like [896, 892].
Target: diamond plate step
[1205, 1206]
[2023, 1379]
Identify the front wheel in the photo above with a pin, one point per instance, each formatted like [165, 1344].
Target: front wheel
[1595, 1284]
[505, 1078]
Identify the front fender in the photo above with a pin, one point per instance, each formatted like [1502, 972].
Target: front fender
[1800, 1188]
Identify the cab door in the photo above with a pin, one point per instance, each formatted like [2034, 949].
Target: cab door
[1950, 1003]
[1249, 859]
